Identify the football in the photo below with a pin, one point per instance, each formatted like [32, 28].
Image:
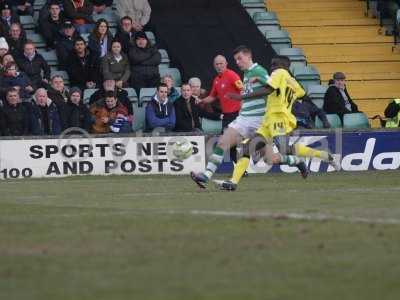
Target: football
[182, 149]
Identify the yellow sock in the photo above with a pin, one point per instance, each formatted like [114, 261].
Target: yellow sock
[305, 151]
[240, 168]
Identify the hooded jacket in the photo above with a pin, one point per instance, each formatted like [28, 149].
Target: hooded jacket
[160, 114]
[144, 61]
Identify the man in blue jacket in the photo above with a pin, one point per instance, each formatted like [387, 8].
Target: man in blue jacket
[160, 112]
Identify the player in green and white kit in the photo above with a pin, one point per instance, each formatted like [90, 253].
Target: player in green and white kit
[248, 120]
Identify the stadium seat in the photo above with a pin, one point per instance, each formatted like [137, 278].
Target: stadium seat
[110, 17]
[174, 72]
[145, 95]
[49, 56]
[333, 119]
[164, 57]
[316, 91]
[139, 117]
[253, 4]
[296, 55]
[63, 74]
[279, 39]
[211, 126]
[307, 75]
[132, 94]
[86, 95]
[27, 22]
[318, 102]
[151, 37]
[266, 21]
[37, 39]
[355, 121]
[85, 36]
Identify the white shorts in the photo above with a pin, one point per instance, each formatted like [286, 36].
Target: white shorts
[246, 126]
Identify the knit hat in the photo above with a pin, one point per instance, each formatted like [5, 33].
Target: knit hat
[3, 43]
[140, 35]
[75, 90]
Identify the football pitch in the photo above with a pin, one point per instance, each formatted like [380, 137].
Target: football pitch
[332, 236]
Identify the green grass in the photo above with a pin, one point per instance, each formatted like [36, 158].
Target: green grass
[155, 237]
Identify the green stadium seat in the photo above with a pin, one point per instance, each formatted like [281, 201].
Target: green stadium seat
[111, 17]
[296, 55]
[86, 95]
[211, 126]
[279, 39]
[333, 119]
[146, 94]
[318, 102]
[38, 4]
[131, 94]
[266, 21]
[164, 57]
[307, 75]
[49, 56]
[139, 117]
[174, 72]
[316, 91]
[253, 3]
[151, 37]
[37, 39]
[252, 10]
[355, 121]
[27, 22]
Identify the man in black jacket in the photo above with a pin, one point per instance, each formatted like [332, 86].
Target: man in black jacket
[125, 33]
[83, 66]
[15, 115]
[337, 100]
[77, 113]
[65, 43]
[51, 26]
[144, 59]
[16, 39]
[188, 113]
[33, 64]
[59, 95]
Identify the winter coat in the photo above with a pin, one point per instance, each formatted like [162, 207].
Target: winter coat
[20, 80]
[125, 39]
[160, 114]
[44, 121]
[51, 29]
[138, 10]
[94, 44]
[116, 70]
[122, 97]
[60, 100]
[186, 120]
[78, 116]
[80, 72]
[100, 110]
[15, 120]
[33, 69]
[16, 47]
[144, 62]
[64, 47]
[335, 104]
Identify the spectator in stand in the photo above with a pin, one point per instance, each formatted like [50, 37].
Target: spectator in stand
[392, 112]
[23, 7]
[100, 39]
[2, 120]
[44, 11]
[99, 6]
[109, 85]
[213, 109]
[173, 93]
[138, 10]
[188, 113]
[3, 47]
[337, 100]
[16, 39]
[44, 117]
[15, 114]
[144, 59]
[51, 26]
[306, 111]
[80, 12]
[83, 66]
[65, 43]
[33, 64]
[7, 17]
[77, 114]
[125, 33]
[19, 80]
[110, 115]
[4, 60]
[160, 112]
[115, 65]
[59, 94]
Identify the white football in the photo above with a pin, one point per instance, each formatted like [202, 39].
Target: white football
[182, 150]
